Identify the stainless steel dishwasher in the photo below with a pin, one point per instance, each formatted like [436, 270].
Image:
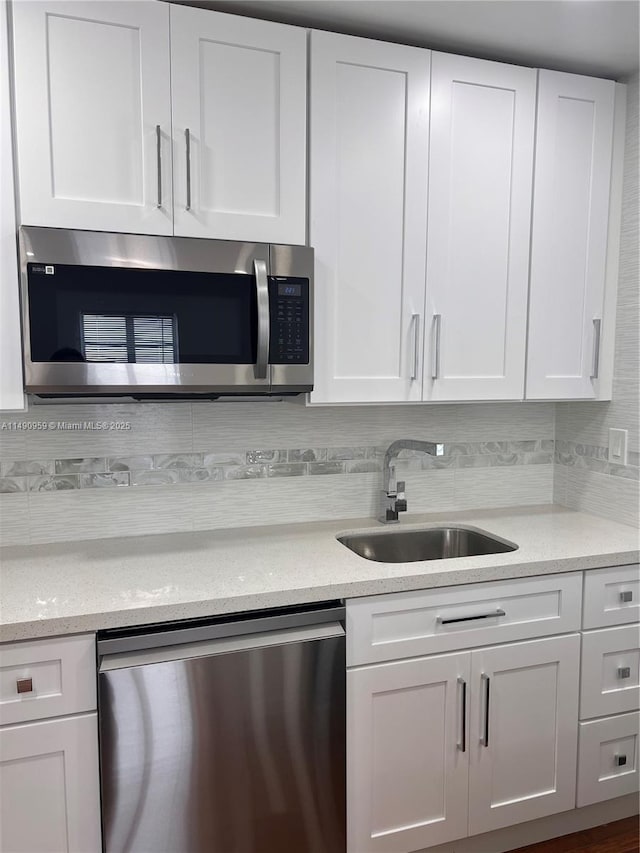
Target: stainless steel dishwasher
[225, 736]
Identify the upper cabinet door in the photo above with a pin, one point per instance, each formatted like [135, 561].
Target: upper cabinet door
[569, 234]
[93, 116]
[368, 209]
[11, 382]
[239, 127]
[480, 174]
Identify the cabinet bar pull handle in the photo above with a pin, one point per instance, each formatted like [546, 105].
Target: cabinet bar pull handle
[596, 348]
[415, 322]
[187, 143]
[442, 620]
[24, 685]
[626, 595]
[485, 725]
[437, 323]
[159, 164]
[462, 742]
[264, 322]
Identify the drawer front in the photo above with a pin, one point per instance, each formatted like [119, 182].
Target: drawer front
[608, 758]
[404, 625]
[610, 671]
[47, 678]
[611, 596]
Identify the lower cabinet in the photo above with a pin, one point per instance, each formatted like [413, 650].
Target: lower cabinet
[453, 745]
[49, 786]
[523, 741]
[407, 762]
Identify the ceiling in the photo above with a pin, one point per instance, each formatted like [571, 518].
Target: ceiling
[597, 37]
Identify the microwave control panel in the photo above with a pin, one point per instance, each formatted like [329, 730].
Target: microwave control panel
[289, 308]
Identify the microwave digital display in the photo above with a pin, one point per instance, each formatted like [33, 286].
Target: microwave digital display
[289, 289]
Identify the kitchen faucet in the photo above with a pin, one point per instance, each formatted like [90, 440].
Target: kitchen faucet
[393, 493]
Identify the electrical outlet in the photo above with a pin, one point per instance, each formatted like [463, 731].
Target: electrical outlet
[618, 446]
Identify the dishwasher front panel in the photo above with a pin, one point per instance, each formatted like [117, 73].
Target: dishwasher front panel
[241, 752]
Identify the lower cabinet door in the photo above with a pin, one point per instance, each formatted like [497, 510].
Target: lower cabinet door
[523, 740]
[49, 787]
[407, 754]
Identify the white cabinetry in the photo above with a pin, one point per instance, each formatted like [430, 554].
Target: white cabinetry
[407, 760]
[238, 90]
[452, 745]
[369, 138]
[610, 671]
[574, 140]
[381, 336]
[612, 597]
[109, 118]
[49, 774]
[523, 739]
[49, 786]
[11, 383]
[93, 115]
[480, 174]
[609, 756]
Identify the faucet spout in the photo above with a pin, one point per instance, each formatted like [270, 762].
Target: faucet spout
[391, 506]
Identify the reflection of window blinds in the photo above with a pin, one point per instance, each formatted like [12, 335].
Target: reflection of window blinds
[117, 338]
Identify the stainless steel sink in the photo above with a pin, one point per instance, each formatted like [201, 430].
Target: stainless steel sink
[436, 543]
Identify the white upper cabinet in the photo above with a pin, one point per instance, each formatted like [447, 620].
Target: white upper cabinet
[569, 234]
[369, 107]
[11, 386]
[93, 115]
[480, 174]
[239, 127]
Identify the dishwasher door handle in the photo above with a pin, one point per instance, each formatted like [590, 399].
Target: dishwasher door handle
[220, 646]
[114, 641]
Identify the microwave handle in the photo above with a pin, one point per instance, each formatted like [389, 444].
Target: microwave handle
[264, 320]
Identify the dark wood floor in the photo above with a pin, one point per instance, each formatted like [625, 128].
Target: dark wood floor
[619, 837]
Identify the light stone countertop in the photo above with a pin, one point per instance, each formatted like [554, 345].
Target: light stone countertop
[74, 587]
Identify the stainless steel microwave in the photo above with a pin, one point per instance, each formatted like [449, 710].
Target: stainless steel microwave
[147, 317]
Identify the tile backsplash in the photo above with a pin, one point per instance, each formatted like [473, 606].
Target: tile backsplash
[80, 471]
[168, 468]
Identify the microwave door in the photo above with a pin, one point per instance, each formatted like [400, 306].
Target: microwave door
[143, 315]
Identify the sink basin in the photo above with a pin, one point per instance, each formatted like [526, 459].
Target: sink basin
[436, 543]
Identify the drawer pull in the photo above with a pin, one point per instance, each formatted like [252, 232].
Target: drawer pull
[619, 760]
[484, 740]
[441, 620]
[624, 672]
[24, 685]
[626, 595]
